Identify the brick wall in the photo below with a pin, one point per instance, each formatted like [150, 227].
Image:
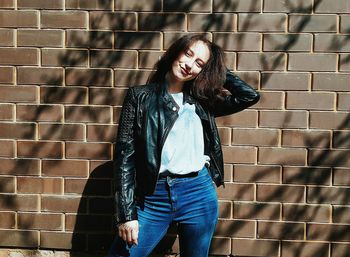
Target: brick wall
[64, 69]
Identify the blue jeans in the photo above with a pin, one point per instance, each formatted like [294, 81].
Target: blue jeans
[191, 202]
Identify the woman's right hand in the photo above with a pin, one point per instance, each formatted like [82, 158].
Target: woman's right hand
[129, 231]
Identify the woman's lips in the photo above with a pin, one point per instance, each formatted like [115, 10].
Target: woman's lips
[183, 71]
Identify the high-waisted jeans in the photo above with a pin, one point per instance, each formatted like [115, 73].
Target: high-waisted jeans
[191, 202]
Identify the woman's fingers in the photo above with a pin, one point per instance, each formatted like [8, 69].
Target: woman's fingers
[134, 235]
[129, 231]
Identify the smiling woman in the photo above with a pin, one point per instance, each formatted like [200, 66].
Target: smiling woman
[168, 155]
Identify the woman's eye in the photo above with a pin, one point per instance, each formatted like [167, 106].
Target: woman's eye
[187, 53]
[199, 64]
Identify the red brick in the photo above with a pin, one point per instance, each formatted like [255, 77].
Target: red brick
[306, 138]
[161, 22]
[19, 56]
[98, 114]
[7, 184]
[7, 220]
[89, 39]
[236, 154]
[138, 5]
[331, 43]
[283, 119]
[256, 173]
[270, 100]
[97, 96]
[7, 112]
[230, 60]
[219, 246]
[95, 187]
[7, 148]
[282, 156]
[39, 221]
[138, 40]
[69, 168]
[61, 131]
[287, 42]
[341, 214]
[237, 6]
[19, 19]
[285, 81]
[312, 62]
[310, 101]
[280, 230]
[328, 232]
[305, 249]
[228, 172]
[19, 238]
[170, 37]
[48, 76]
[40, 4]
[295, 6]
[238, 41]
[259, 211]
[55, 203]
[93, 77]
[147, 59]
[62, 240]
[339, 250]
[281, 193]
[261, 61]
[225, 136]
[43, 38]
[328, 195]
[255, 247]
[7, 75]
[341, 139]
[18, 202]
[112, 20]
[64, 57]
[255, 137]
[245, 119]
[331, 82]
[344, 23]
[344, 62]
[238, 192]
[306, 213]
[101, 133]
[101, 169]
[89, 4]
[7, 4]
[39, 112]
[41, 149]
[100, 151]
[225, 209]
[211, 22]
[38, 185]
[329, 158]
[130, 77]
[187, 6]
[64, 19]
[335, 120]
[262, 22]
[235, 228]
[17, 130]
[306, 176]
[20, 167]
[331, 6]
[312, 23]
[115, 59]
[64, 95]
[341, 177]
[88, 222]
[7, 37]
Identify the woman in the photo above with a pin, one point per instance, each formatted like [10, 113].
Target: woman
[168, 155]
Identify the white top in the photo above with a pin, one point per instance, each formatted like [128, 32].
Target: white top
[183, 150]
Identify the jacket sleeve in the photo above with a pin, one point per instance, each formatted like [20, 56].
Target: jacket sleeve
[124, 162]
[242, 96]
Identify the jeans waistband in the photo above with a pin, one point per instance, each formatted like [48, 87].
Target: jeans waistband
[174, 175]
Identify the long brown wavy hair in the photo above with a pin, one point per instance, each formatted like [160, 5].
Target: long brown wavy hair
[208, 84]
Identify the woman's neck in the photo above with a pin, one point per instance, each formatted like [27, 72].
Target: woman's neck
[174, 86]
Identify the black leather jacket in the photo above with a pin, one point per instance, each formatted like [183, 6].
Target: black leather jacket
[147, 116]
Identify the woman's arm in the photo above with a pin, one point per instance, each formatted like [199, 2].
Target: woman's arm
[242, 96]
[124, 162]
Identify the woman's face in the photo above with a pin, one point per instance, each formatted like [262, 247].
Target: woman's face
[190, 62]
